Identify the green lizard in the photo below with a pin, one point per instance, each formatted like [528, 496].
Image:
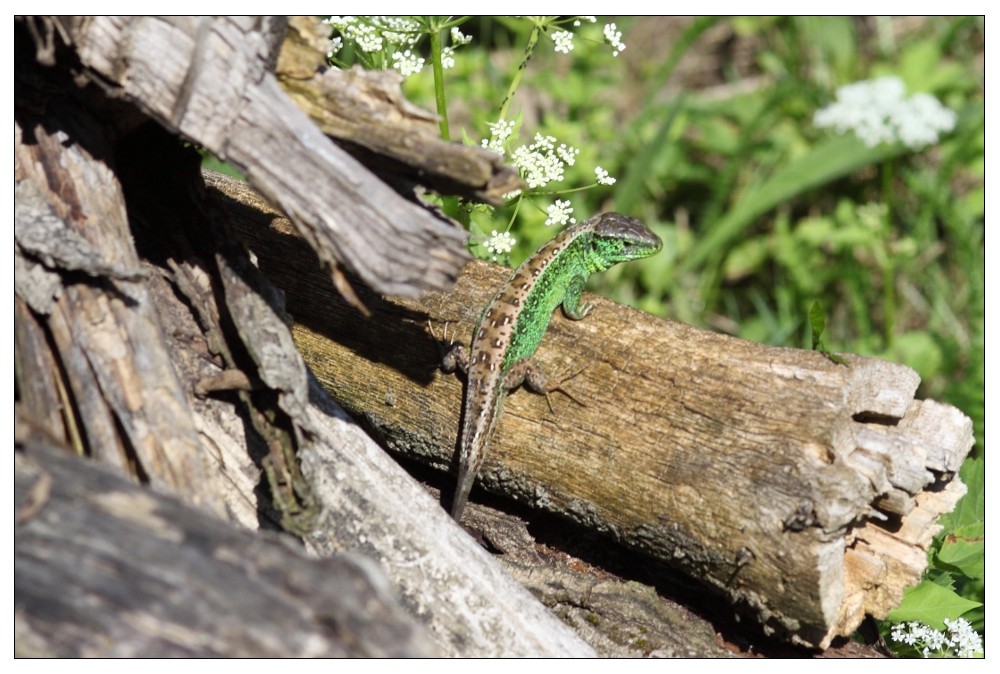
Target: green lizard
[512, 325]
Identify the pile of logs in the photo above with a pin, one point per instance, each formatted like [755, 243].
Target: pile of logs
[200, 360]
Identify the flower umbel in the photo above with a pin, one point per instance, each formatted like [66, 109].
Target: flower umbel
[499, 133]
[961, 640]
[603, 178]
[613, 36]
[563, 40]
[559, 213]
[877, 112]
[407, 63]
[501, 243]
[542, 162]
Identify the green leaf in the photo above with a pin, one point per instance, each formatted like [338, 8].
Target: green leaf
[817, 319]
[972, 507]
[965, 549]
[930, 603]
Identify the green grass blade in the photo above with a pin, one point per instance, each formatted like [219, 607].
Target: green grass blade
[833, 159]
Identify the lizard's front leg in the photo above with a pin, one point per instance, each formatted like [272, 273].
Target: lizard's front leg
[571, 303]
[454, 355]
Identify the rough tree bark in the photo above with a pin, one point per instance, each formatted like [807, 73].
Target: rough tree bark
[805, 490]
[105, 568]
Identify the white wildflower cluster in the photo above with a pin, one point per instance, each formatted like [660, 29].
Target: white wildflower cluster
[407, 63]
[336, 44]
[603, 178]
[374, 33]
[542, 162]
[457, 39]
[563, 40]
[961, 640]
[559, 213]
[364, 34]
[499, 133]
[501, 243]
[613, 36]
[447, 57]
[877, 111]
[591, 19]
[448, 53]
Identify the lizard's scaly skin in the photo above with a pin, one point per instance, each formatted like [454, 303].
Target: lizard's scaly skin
[512, 325]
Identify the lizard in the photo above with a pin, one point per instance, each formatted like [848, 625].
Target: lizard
[512, 325]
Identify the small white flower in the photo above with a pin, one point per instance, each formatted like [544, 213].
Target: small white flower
[877, 112]
[511, 194]
[336, 44]
[961, 640]
[499, 133]
[407, 63]
[457, 38]
[542, 162]
[500, 243]
[559, 213]
[563, 40]
[447, 57]
[603, 178]
[613, 36]
[364, 36]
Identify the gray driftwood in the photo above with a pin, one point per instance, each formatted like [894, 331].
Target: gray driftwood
[805, 490]
[210, 79]
[104, 568]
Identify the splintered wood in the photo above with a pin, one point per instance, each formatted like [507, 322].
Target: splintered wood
[805, 490]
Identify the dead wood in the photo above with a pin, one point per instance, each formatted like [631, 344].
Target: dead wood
[366, 113]
[132, 350]
[805, 490]
[104, 568]
[211, 80]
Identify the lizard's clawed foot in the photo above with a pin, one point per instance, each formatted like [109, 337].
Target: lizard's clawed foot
[453, 355]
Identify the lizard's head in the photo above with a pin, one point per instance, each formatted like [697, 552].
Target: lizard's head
[619, 238]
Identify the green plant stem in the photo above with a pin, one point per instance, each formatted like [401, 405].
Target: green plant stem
[888, 273]
[889, 300]
[442, 107]
[528, 50]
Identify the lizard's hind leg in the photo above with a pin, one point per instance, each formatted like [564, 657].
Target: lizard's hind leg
[526, 371]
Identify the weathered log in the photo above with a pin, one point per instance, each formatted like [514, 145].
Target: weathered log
[759, 470]
[132, 408]
[210, 80]
[105, 568]
[366, 113]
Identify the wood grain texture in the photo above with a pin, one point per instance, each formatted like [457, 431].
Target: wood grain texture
[131, 404]
[210, 80]
[751, 467]
[104, 568]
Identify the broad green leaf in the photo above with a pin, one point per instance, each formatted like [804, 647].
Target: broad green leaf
[972, 507]
[817, 319]
[965, 550]
[931, 604]
[835, 158]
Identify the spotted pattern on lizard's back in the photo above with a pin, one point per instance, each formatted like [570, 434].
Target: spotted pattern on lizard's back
[512, 325]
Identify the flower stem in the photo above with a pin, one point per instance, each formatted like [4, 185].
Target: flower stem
[528, 50]
[442, 108]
